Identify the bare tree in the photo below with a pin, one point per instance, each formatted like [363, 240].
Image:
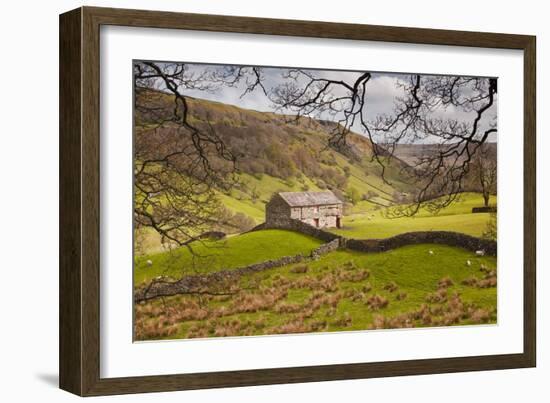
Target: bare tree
[418, 116]
[173, 173]
[485, 172]
[179, 159]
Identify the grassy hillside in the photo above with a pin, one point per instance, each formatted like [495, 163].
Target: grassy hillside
[343, 290]
[275, 152]
[209, 256]
[413, 286]
[248, 248]
[368, 220]
[456, 217]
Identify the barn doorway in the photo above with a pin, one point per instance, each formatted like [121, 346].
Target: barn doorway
[316, 221]
[338, 223]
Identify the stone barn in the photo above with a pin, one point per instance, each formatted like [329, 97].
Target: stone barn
[318, 209]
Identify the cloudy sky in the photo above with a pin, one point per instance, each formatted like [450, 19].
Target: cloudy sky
[383, 90]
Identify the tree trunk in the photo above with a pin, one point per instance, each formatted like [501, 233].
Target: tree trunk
[486, 199]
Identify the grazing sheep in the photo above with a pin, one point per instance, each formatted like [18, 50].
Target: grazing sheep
[468, 263]
[431, 252]
[480, 253]
[149, 262]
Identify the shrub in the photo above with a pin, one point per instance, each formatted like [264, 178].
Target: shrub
[366, 288]
[353, 195]
[437, 297]
[377, 302]
[371, 194]
[285, 307]
[379, 322]
[488, 281]
[470, 281]
[295, 326]
[491, 227]
[347, 171]
[317, 325]
[343, 321]
[241, 221]
[401, 296]
[445, 282]
[480, 316]
[331, 311]
[391, 287]
[353, 276]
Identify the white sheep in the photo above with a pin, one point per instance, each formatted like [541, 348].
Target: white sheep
[468, 263]
[431, 252]
[480, 252]
[149, 262]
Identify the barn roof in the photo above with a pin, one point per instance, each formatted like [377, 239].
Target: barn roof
[299, 199]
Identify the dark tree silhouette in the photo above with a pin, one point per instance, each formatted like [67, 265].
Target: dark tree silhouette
[179, 159]
[418, 116]
[485, 173]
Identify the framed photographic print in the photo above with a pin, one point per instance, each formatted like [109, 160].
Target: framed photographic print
[250, 201]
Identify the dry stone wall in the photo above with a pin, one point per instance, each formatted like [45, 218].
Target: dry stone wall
[379, 245]
[198, 283]
[464, 241]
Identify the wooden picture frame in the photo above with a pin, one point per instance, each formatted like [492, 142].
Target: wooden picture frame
[80, 185]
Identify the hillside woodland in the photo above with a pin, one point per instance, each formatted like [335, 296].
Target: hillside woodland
[277, 153]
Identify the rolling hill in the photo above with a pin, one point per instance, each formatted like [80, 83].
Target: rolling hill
[279, 153]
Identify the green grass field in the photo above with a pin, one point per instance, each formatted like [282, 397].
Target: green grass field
[325, 298]
[457, 217]
[255, 247]
[343, 290]
[210, 256]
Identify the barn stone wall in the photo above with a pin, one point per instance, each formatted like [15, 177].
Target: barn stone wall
[325, 216]
[277, 209]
